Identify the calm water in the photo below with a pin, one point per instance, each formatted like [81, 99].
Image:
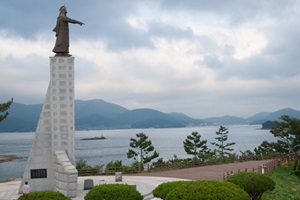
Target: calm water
[167, 142]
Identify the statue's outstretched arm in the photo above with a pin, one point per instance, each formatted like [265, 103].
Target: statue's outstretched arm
[73, 21]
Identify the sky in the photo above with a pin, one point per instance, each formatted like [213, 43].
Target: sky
[197, 57]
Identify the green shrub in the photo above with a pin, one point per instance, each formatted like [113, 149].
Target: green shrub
[255, 184]
[163, 189]
[135, 165]
[207, 190]
[114, 164]
[113, 192]
[44, 195]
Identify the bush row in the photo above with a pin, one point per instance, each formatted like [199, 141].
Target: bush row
[240, 186]
[243, 185]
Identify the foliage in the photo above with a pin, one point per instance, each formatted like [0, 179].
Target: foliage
[270, 148]
[222, 147]
[247, 153]
[113, 192]
[44, 195]
[135, 166]
[3, 109]
[82, 164]
[114, 164]
[255, 184]
[193, 145]
[287, 184]
[287, 130]
[207, 190]
[163, 189]
[141, 147]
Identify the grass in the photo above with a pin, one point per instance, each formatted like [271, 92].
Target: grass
[287, 185]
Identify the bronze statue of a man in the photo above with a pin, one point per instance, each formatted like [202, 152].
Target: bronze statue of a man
[62, 32]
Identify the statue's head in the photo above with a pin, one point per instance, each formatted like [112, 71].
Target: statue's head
[63, 10]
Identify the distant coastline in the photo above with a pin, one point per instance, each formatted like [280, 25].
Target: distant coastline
[98, 114]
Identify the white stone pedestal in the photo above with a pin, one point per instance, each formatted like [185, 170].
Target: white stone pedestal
[51, 162]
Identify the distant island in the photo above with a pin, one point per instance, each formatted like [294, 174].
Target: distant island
[95, 138]
[7, 158]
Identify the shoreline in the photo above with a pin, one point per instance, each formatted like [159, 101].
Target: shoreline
[8, 158]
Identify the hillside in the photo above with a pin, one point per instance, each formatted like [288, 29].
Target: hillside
[226, 120]
[96, 114]
[99, 114]
[261, 118]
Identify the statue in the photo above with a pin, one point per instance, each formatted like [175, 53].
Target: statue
[62, 32]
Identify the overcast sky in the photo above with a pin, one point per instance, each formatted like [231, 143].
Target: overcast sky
[198, 57]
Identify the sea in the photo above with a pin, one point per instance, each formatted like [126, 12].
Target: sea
[168, 142]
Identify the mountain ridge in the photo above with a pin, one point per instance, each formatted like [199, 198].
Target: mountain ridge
[99, 114]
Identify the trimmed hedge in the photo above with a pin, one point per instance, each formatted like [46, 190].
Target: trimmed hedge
[44, 195]
[163, 189]
[255, 184]
[113, 192]
[208, 190]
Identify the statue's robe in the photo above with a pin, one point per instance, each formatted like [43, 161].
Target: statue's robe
[62, 34]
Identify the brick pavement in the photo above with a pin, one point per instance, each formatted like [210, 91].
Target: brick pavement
[212, 172]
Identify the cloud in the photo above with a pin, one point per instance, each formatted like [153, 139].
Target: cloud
[201, 58]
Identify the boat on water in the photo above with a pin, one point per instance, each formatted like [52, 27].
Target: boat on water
[95, 138]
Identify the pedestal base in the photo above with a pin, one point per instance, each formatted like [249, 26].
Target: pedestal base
[54, 137]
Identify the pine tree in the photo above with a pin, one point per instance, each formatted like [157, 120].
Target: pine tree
[193, 145]
[288, 133]
[222, 147]
[141, 147]
[3, 109]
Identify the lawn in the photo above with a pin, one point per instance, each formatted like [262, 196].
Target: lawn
[287, 185]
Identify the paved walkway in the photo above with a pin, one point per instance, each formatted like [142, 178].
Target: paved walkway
[146, 182]
[211, 172]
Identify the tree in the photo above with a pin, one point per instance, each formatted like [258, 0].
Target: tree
[141, 147]
[3, 109]
[266, 148]
[193, 145]
[288, 133]
[222, 148]
[287, 130]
